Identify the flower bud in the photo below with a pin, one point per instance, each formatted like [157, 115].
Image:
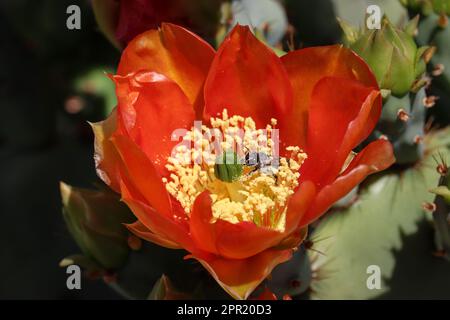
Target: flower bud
[441, 7]
[425, 7]
[95, 219]
[392, 54]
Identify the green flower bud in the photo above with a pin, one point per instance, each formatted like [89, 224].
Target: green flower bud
[229, 169]
[424, 7]
[441, 7]
[392, 54]
[95, 219]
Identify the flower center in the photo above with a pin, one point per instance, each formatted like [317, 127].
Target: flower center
[240, 167]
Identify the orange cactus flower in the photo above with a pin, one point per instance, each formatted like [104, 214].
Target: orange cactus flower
[323, 101]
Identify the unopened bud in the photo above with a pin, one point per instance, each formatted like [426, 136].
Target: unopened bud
[420, 6]
[403, 62]
[441, 7]
[95, 219]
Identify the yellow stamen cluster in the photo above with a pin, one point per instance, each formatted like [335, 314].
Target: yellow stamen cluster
[257, 196]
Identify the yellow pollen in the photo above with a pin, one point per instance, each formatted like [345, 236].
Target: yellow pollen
[258, 195]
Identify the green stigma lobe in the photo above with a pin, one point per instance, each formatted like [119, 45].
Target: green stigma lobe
[229, 169]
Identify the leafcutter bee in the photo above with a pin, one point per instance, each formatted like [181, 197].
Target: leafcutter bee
[260, 161]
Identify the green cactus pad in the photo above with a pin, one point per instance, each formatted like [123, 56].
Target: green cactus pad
[386, 227]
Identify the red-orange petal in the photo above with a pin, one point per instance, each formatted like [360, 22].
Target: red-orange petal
[377, 156]
[108, 163]
[299, 204]
[244, 239]
[202, 230]
[240, 277]
[142, 173]
[174, 52]
[140, 230]
[152, 107]
[306, 67]
[248, 79]
[234, 241]
[165, 227]
[342, 114]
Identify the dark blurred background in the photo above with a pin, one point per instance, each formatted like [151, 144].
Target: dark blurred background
[51, 83]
